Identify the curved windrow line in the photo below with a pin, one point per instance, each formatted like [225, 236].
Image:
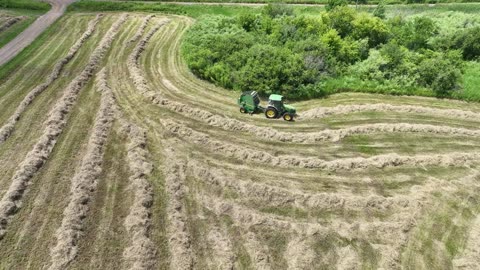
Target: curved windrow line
[57, 119]
[384, 107]
[7, 129]
[136, 73]
[270, 133]
[277, 196]
[84, 185]
[380, 161]
[141, 29]
[338, 134]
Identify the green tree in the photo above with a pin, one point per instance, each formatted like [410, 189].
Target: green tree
[332, 4]
[469, 42]
[277, 10]
[373, 28]
[341, 19]
[379, 11]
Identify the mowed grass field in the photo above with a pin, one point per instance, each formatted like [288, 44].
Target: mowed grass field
[115, 156]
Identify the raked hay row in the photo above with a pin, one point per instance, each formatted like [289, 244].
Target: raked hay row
[114, 156]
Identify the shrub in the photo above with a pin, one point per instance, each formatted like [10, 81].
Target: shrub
[469, 42]
[277, 10]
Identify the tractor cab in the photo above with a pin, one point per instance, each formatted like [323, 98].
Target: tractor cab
[276, 108]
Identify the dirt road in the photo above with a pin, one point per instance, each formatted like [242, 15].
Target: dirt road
[15, 46]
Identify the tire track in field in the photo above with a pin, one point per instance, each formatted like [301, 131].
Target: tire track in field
[55, 123]
[7, 129]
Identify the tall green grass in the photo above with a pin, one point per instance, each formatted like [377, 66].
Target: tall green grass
[24, 4]
[194, 11]
[471, 83]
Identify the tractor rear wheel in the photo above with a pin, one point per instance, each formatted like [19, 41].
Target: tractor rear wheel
[288, 117]
[242, 110]
[271, 113]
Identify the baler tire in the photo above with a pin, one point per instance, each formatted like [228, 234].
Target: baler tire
[242, 110]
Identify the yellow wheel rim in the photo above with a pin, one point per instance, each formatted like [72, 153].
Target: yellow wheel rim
[288, 117]
[271, 113]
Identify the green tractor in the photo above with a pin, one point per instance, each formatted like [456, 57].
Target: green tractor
[249, 102]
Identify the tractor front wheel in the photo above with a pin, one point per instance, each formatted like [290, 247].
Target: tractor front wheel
[242, 110]
[288, 117]
[271, 113]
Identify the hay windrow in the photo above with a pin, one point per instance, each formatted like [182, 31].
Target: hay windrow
[141, 29]
[223, 255]
[276, 196]
[136, 73]
[7, 129]
[257, 251]
[179, 237]
[380, 161]
[384, 107]
[56, 121]
[11, 21]
[84, 185]
[324, 135]
[141, 253]
[300, 253]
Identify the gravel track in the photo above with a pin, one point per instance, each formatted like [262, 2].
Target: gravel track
[24, 39]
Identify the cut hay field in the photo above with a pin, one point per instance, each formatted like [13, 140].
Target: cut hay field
[115, 156]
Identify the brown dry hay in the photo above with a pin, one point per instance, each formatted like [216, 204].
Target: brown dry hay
[84, 185]
[179, 238]
[57, 119]
[7, 129]
[141, 29]
[384, 107]
[380, 161]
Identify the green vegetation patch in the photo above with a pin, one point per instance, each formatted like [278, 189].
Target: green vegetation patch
[339, 50]
[24, 4]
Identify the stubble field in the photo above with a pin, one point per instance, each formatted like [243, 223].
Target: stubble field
[115, 156]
